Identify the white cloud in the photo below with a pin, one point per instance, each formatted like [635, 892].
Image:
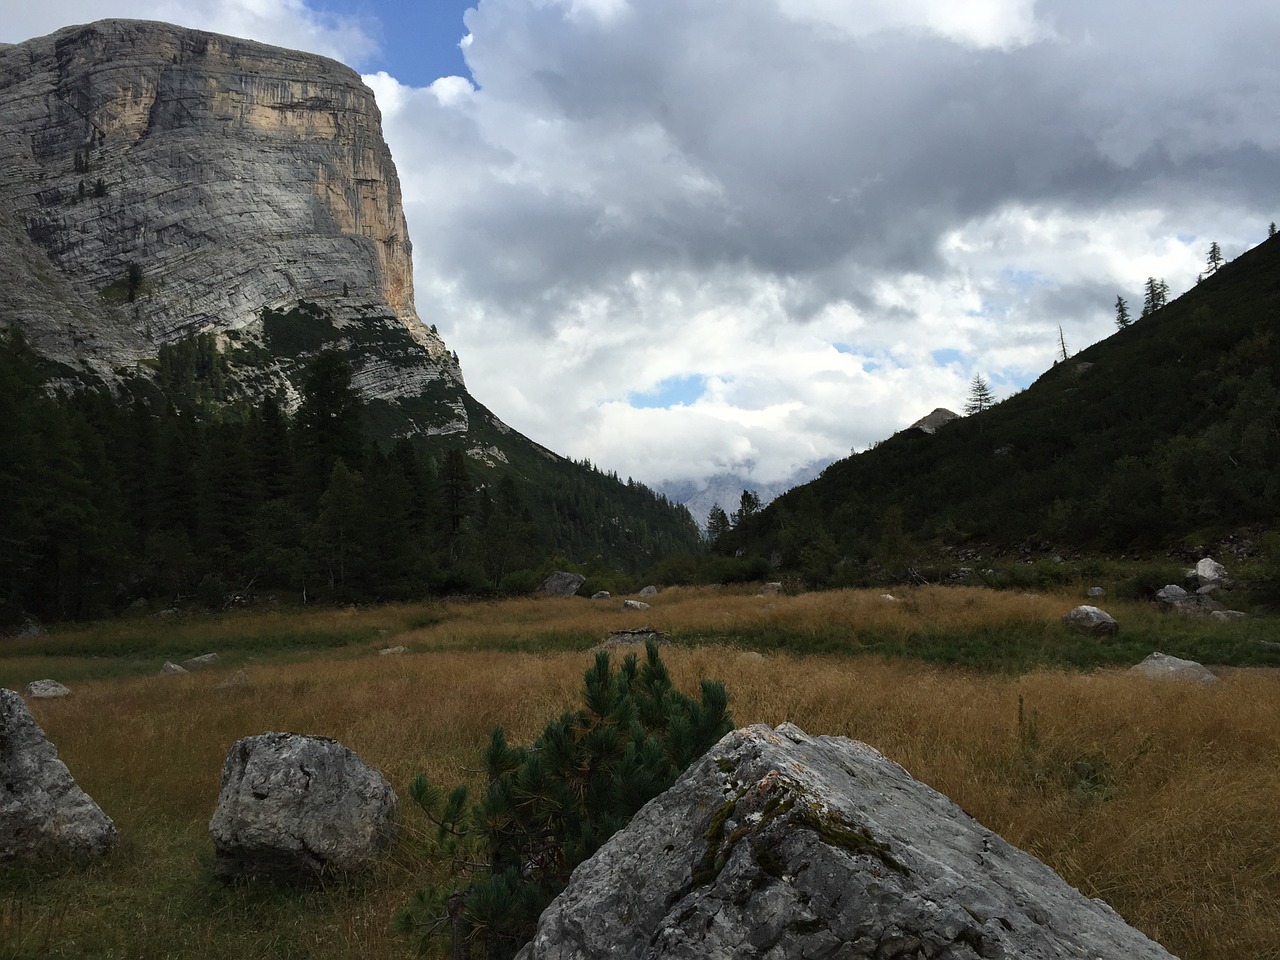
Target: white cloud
[833, 213]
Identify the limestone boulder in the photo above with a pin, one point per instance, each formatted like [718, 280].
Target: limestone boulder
[1171, 593]
[634, 605]
[47, 690]
[562, 584]
[1091, 620]
[782, 845]
[200, 662]
[296, 809]
[1209, 572]
[649, 591]
[1161, 666]
[44, 814]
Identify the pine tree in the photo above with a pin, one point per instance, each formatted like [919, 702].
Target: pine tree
[1155, 296]
[1122, 313]
[1215, 257]
[551, 805]
[980, 396]
[748, 506]
[717, 524]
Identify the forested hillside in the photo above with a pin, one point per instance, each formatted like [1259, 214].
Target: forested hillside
[1164, 435]
[167, 489]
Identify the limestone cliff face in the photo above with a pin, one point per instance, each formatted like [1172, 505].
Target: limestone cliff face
[160, 182]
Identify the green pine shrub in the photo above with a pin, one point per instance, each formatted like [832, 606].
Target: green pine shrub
[551, 805]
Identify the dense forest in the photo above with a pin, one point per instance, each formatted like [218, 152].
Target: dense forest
[167, 489]
[1165, 437]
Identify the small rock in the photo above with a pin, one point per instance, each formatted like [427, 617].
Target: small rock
[1210, 571]
[627, 638]
[32, 629]
[1228, 615]
[1161, 666]
[562, 584]
[634, 605]
[1091, 620]
[600, 595]
[649, 591]
[1096, 592]
[237, 680]
[769, 589]
[204, 660]
[1171, 593]
[888, 598]
[172, 668]
[393, 650]
[46, 690]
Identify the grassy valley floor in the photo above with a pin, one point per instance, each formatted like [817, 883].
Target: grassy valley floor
[1157, 796]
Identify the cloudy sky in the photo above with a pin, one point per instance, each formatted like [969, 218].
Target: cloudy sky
[684, 237]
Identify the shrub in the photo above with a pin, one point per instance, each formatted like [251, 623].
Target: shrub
[551, 805]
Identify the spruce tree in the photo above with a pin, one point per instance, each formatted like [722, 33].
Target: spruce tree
[1122, 313]
[980, 396]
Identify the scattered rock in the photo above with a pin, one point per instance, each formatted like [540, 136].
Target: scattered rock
[1210, 572]
[43, 812]
[295, 809]
[1228, 615]
[561, 584]
[1161, 666]
[204, 660]
[888, 598]
[769, 589]
[32, 629]
[46, 690]
[172, 668]
[238, 680]
[630, 638]
[1095, 592]
[781, 845]
[1171, 593]
[634, 605]
[600, 595]
[1091, 620]
[649, 591]
[389, 651]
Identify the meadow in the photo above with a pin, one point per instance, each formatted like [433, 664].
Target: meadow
[1156, 796]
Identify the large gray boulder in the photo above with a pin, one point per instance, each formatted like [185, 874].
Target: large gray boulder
[296, 809]
[1092, 620]
[781, 845]
[43, 812]
[562, 584]
[1210, 573]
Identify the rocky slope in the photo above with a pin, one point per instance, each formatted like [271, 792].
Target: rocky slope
[162, 182]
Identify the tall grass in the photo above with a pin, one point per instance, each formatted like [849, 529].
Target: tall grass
[1157, 796]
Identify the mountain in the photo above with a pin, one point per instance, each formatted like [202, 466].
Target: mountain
[725, 491]
[1163, 436]
[208, 217]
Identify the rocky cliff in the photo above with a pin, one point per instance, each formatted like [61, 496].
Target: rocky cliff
[162, 182]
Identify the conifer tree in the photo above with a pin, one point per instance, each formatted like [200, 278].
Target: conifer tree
[551, 805]
[717, 524]
[1215, 257]
[1155, 295]
[1122, 313]
[980, 396]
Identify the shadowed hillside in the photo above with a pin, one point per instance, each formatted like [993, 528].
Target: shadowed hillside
[1164, 435]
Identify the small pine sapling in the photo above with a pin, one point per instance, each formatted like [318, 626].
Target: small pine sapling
[551, 805]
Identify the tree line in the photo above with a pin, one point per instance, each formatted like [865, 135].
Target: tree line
[160, 492]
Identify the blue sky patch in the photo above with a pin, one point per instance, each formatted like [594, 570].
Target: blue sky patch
[671, 392]
[947, 355]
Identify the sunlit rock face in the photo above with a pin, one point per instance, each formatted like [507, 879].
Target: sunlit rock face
[161, 182]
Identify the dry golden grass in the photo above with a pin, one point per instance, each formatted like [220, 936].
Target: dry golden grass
[1157, 796]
